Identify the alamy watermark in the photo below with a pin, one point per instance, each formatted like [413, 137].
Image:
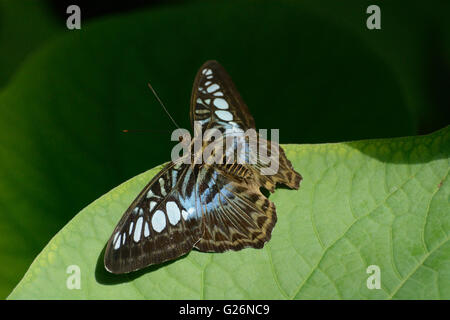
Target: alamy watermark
[73, 281]
[74, 20]
[373, 22]
[229, 147]
[374, 280]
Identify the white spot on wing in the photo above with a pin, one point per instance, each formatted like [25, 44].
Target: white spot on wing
[212, 88]
[159, 221]
[146, 230]
[131, 227]
[173, 212]
[161, 183]
[115, 237]
[184, 214]
[221, 103]
[138, 230]
[152, 205]
[224, 115]
[117, 241]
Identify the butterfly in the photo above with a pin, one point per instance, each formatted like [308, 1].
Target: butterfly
[213, 207]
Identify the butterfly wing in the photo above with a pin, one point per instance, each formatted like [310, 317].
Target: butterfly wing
[215, 101]
[161, 224]
[235, 212]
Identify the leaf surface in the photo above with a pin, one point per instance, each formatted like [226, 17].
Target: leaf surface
[373, 202]
[63, 111]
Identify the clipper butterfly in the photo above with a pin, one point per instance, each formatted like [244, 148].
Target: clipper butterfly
[208, 206]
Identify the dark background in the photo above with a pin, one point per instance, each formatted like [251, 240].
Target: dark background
[310, 68]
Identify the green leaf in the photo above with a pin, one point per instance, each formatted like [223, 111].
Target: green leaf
[373, 202]
[18, 39]
[311, 69]
[61, 115]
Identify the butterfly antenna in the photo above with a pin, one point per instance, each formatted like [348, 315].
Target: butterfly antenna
[162, 104]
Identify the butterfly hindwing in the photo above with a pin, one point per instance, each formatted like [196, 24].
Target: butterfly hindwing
[160, 225]
[236, 214]
[284, 173]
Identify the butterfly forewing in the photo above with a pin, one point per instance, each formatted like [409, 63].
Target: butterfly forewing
[216, 103]
[160, 225]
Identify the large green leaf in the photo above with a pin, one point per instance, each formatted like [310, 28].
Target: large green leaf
[24, 25]
[61, 116]
[18, 39]
[310, 68]
[374, 202]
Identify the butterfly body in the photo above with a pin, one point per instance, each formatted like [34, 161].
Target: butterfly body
[206, 205]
